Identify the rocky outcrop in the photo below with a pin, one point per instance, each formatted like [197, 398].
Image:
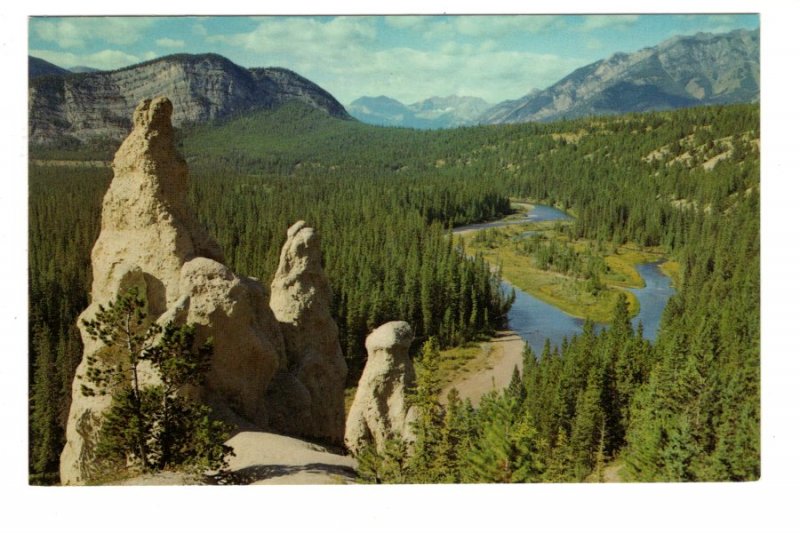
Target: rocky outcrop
[86, 106]
[149, 240]
[308, 398]
[381, 408]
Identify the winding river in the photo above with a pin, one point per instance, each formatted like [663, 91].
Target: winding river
[535, 320]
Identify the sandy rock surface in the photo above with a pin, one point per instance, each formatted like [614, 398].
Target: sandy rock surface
[149, 240]
[307, 399]
[381, 409]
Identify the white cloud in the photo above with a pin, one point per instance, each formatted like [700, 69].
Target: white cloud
[199, 30]
[76, 32]
[497, 26]
[343, 56]
[408, 22]
[594, 22]
[280, 34]
[593, 43]
[166, 42]
[103, 60]
[483, 26]
[410, 75]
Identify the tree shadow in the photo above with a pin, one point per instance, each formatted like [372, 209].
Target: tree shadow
[252, 474]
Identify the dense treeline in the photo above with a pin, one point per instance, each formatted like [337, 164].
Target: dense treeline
[559, 421]
[64, 219]
[684, 409]
[385, 257]
[382, 198]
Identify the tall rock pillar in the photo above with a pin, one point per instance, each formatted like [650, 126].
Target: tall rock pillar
[309, 394]
[149, 240]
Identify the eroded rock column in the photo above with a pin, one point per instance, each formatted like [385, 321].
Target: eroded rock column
[381, 408]
[307, 399]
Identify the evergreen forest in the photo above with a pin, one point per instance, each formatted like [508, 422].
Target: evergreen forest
[684, 408]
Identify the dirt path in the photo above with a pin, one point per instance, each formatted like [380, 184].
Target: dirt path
[505, 352]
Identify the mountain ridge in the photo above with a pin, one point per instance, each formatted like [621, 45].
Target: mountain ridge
[70, 107]
[682, 71]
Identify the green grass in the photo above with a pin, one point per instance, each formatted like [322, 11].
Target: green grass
[568, 293]
[672, 269]
[461, 361]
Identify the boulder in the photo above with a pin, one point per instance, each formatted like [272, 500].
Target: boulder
[307, 398]
[381, 408]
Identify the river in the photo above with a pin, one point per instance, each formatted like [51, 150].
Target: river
[537, 213]
[535, 320]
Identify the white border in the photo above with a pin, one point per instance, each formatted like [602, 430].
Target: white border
[761, 506]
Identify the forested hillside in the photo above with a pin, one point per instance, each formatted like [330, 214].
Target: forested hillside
[685, 408]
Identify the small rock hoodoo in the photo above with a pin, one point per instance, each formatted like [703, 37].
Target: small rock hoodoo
[381, 408]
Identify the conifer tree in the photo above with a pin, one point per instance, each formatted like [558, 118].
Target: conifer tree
[152, 423]
[428, 425]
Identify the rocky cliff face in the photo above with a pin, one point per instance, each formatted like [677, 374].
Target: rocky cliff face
[680, 72]
[301, 299]
[381, 409]
[206, 87]
[149, 240]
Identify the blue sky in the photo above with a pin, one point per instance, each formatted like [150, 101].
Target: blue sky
[405, 57]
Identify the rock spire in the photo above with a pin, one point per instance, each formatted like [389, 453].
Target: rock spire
[149, 240]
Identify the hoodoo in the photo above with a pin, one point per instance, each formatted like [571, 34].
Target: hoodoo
[381, 408]
[316, 370]
[149, 240]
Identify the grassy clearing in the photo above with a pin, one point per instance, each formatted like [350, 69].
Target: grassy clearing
[461, 361]
[570, 294]
[623, 264]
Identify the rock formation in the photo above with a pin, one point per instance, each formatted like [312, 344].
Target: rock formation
[381, 409]
[149, 240]
[316, 370]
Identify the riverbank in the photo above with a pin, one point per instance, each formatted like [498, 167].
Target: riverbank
[504, 247]
[490, 369]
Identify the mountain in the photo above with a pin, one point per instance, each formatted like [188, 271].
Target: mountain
[381, 110]
[81, 69]
[680, 72]
[67, 106]
[435, 112]
[39, 67]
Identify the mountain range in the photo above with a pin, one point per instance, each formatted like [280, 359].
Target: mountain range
[69, 106]
[680, 72]
[434, 112]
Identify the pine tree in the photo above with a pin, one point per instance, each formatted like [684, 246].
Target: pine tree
[151, 423]
[428, 425]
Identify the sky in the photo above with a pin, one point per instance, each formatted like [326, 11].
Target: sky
[408, 58]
